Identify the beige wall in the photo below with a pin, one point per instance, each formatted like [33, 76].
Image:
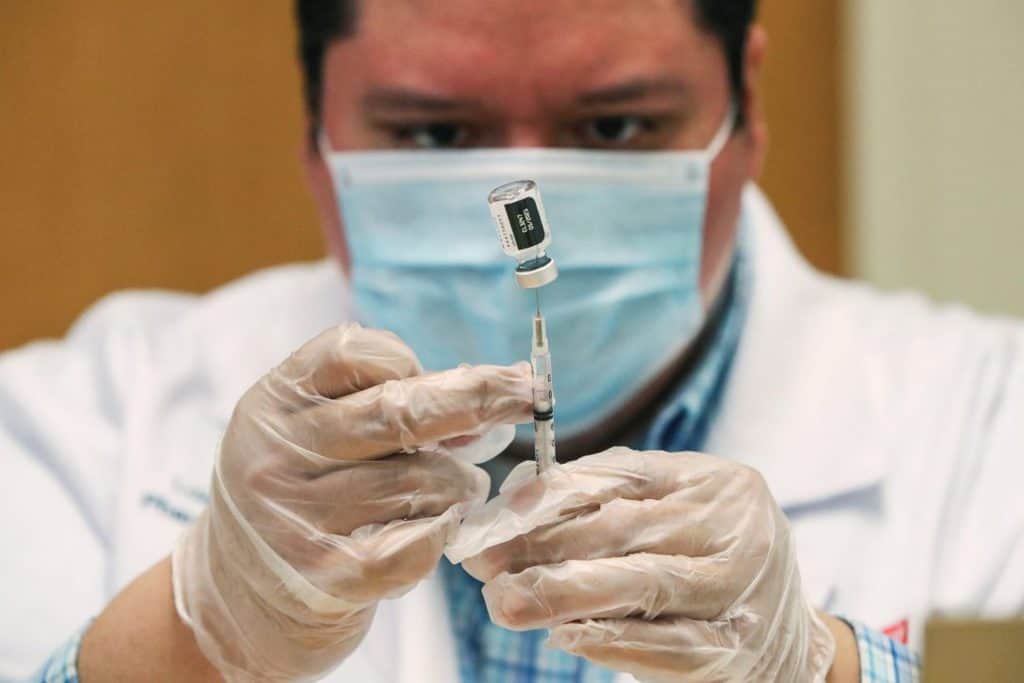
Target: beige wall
[151, 144]
[936, 147]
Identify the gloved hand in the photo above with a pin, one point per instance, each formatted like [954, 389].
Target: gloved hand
[332, 489]
[671, 566]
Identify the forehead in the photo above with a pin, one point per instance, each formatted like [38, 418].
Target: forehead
[531, 48]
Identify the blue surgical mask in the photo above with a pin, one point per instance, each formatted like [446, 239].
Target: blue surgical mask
[626, 228]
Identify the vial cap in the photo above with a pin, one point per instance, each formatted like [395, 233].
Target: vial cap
[536, 273]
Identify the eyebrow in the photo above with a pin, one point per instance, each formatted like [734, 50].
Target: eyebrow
[405, 101]
[634, 90]
[399, 99]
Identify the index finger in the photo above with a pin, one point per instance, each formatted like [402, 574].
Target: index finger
[402, 414]
[349, 358]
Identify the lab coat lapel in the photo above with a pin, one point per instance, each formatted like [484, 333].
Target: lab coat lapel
[426, 644]
[799, 405]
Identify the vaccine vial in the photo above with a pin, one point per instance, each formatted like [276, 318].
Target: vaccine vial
[523, 231]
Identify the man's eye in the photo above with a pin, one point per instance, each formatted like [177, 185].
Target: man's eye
[433, 135]
[615, 130]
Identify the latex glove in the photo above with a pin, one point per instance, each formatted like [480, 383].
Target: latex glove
[670, 566]
[330, 492]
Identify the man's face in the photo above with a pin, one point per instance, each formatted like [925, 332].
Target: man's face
[605, 74]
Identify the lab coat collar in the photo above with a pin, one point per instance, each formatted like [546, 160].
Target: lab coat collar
[798, 406]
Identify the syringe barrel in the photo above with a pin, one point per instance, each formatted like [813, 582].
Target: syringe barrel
[543, 396]
[540, 359]
[543, 399]
[544, 444]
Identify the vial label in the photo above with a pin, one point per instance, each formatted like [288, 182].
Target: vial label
[524, 219]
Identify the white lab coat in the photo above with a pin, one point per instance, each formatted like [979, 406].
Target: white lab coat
[891, 432]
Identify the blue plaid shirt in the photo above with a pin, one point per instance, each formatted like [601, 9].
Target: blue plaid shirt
[882, 659]
[490, 654]
[62, 666]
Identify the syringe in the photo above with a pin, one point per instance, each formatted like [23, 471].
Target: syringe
[543, 395]
[525, 234]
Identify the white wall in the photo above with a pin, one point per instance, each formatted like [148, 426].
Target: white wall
[935, 143]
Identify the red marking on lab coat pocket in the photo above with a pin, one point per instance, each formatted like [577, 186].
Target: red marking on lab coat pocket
[898, 631]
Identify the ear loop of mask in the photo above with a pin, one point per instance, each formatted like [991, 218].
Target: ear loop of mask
[340, 176]
[324, 146]
[323, 143]
[723, 134]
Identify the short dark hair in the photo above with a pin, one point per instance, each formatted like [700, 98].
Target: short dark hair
[729, 21]
[321, 22]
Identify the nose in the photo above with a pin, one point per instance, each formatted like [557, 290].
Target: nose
[529, 134]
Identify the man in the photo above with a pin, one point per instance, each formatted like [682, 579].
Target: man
[859, 438]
